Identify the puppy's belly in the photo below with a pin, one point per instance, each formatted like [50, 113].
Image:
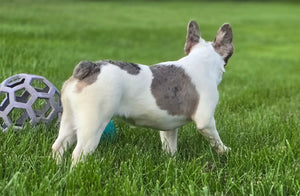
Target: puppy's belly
[165, 123]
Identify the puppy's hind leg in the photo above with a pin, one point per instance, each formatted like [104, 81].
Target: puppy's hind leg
[169, 141]
[67, 132]
[92, 116]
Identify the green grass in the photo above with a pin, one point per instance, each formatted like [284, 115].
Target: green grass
[258, 115]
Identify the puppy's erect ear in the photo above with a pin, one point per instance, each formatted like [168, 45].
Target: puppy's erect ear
[223, 42]
[192, 37]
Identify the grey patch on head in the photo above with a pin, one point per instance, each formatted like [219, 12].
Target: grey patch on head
[192, 37]
[223, 42]
[87, 71]
[130, 68]
[173, 90]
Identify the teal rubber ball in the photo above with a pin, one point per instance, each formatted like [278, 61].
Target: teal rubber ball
[109, 131]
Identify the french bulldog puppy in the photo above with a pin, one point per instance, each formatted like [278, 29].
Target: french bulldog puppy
[164, 96]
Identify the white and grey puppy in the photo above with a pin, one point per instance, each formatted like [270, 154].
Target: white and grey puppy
[164, 96]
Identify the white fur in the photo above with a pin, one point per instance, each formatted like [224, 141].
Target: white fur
[118, 93]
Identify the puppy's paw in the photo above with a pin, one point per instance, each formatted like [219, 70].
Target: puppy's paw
[56, 154]
[222, 149]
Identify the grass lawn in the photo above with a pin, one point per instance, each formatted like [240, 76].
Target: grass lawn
[258, 115]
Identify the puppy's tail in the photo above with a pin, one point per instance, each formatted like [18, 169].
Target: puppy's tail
[85, 69]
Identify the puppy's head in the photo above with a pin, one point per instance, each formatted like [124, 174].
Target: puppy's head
[222, 44]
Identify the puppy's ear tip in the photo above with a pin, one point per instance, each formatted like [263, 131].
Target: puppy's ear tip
[226, 27]
[192, 23]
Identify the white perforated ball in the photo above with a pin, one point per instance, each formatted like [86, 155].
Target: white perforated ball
[28, 98]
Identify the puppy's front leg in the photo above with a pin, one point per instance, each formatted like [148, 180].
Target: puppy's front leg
[209, 131]
[205, 122]
[169, 141]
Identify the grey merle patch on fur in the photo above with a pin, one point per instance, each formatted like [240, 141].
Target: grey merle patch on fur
[86, 71]
[131, 68]
[173, 90]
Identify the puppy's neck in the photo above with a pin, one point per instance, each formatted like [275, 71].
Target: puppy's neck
[204, 61]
